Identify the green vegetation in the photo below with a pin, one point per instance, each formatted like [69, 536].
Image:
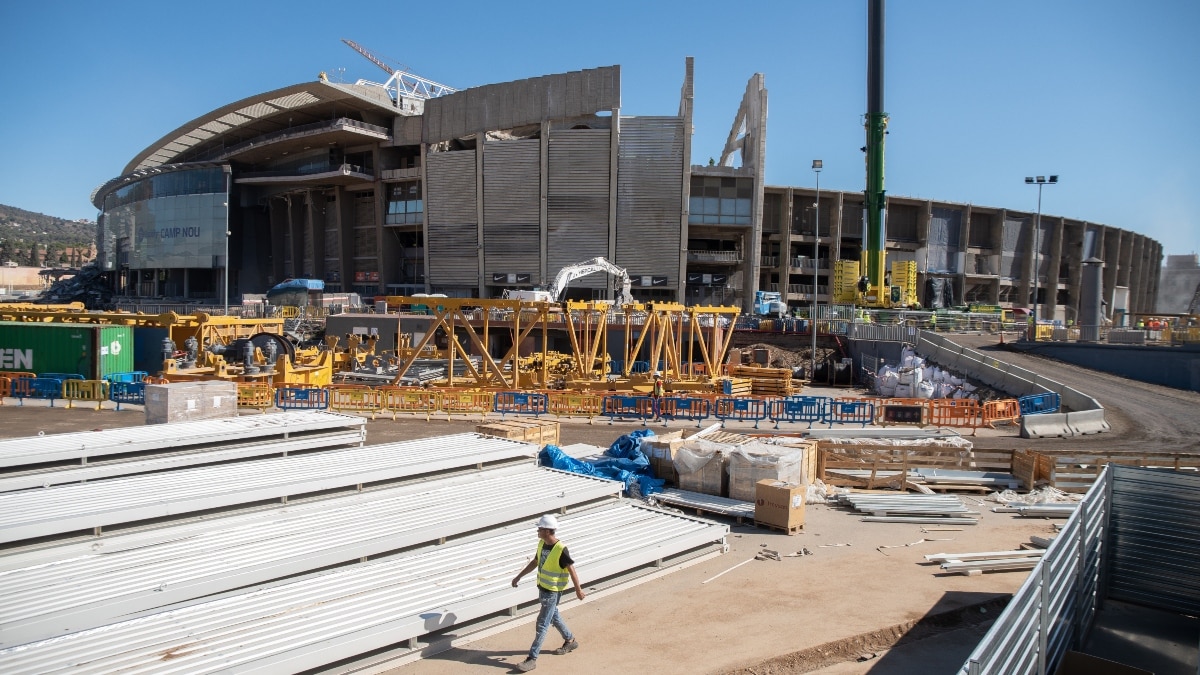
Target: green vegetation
[35, 239]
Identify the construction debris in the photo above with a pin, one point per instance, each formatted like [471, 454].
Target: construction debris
[919, 541]
[974, 564]
[88, 286]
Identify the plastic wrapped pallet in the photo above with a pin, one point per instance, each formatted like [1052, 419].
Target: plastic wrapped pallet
[754, 462]
[660, 450]
[190, 401]
[701, 467]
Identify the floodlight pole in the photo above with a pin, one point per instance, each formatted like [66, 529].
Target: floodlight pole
[1039, 181]
[225, 265]
[817, 165]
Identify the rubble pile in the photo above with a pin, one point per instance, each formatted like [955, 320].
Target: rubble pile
[88, 286]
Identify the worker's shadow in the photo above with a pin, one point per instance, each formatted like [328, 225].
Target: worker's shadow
[435, 621]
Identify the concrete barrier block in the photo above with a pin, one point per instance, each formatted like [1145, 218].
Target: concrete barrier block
[1075, 400]
[1087, 422]
[1053, 425]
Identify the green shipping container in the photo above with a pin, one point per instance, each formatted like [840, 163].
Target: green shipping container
[90, 351]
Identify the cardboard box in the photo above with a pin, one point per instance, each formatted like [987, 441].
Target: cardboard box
[190, 401]
[539, 432]
[779, 504]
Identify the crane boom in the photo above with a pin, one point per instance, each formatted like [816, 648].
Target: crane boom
[401, 79]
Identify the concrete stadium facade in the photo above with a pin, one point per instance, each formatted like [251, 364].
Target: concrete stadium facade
[500, 186]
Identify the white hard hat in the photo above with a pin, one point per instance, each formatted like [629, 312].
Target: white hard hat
[547, 522]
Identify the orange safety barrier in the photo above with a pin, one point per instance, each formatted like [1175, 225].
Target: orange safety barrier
[411, 400]
[255, 395]
[151, 379]
[955, 412]
[16, 374]
[465, 402]
[566, 404]
[85, 390]
[356, 399]
[5, 388]
[1004, 410]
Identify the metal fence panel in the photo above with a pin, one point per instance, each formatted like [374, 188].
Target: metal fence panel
[1155, 557]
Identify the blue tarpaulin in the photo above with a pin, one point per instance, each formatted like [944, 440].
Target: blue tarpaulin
[623, 461]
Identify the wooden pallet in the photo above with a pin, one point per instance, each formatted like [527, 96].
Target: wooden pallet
[795, 529]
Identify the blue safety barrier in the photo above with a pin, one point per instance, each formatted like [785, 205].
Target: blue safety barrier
[616, 367]
[850, 412]
[301, 398]
[60, 376]
[519, 403]
[742, 409]
[132, 376]
[639, 367]
[684, 408]
[1039, 404]
[637, 407]
[811, 409]
[127, 392]
[37, 387]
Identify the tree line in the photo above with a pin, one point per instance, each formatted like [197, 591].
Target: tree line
[35, 239]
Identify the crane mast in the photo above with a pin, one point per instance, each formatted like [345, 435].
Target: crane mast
[401, 80]
[876, 127]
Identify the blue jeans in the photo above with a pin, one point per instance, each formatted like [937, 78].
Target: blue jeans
[548, 614]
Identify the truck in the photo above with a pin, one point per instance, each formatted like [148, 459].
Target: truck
[769, 303]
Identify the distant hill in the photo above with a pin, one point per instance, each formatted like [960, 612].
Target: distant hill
[35, 239]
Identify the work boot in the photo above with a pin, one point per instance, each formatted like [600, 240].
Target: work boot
[568, 647]
[527, 665]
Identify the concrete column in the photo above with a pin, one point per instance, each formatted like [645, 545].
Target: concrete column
[964, 243]
[278, 208]
[345, 223]
[1054, 258]
[685, 111]
[297, 210]
[425, 219]
[480, 141]
[756, 206]
[614, 148]
[835, 231]
[785, 243]
[185, 283]
[543, 196]
[379, 215]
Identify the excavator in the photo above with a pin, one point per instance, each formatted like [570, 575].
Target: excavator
[570, 273]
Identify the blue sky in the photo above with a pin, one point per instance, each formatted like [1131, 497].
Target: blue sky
[1105, 94]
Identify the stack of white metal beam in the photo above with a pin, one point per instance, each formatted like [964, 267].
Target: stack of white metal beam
[1048, 510]
[972, 564]
[910, 508]
[66, 508]
[304, 622]
[42, 461]
[68, 588]
[734, 508]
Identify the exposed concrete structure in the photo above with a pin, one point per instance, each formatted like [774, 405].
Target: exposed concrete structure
[500, 186]
[1178, 283]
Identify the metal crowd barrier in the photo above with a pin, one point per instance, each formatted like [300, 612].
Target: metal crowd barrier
[410, 400]
[131, 376]
[356, 399]
[85, 390]
[519, 403]
[1005, 410]
[811, 409]
[850, 412]
[466, 403]
[684, 408]
[299, 398]
[564, 404]
[1039, 404]
[127, 392]
[742, 409]
[638, 407]
[255, 395]
[37, 387]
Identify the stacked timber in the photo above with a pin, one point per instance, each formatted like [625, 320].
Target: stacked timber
[736, 386]
[541, 432]
[766, 381]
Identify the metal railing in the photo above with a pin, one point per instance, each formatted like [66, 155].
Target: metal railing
[714, 256]
[330, 168]
[1054, 609]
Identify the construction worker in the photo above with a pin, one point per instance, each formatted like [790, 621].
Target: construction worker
[659, 385]
[553, 564]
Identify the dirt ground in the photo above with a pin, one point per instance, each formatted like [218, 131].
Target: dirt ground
[817, 613]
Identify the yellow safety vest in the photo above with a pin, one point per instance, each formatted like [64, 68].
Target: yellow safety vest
[551, 575]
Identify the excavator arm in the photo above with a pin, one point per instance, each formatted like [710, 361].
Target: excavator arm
[570, 273]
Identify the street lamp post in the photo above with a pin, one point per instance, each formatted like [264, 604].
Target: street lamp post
[1039, 181]
[817, 165]
[228, 200]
